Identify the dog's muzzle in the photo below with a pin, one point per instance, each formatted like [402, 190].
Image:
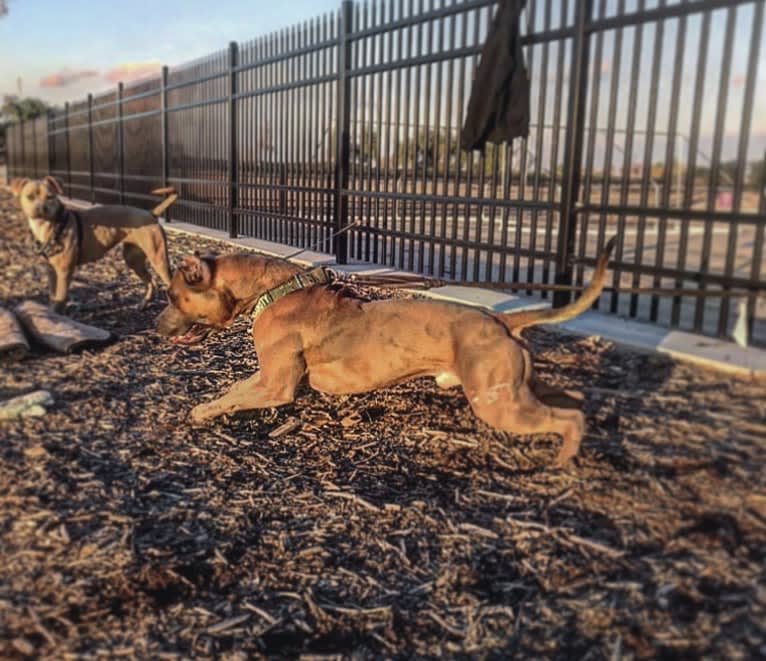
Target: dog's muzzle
[178, 329]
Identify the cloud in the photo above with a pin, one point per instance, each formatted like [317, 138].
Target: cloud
[130, 71]
[67, 77]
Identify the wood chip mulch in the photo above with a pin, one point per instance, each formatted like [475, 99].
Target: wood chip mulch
[391, 524]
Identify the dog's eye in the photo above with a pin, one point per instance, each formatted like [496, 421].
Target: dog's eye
[31, 197]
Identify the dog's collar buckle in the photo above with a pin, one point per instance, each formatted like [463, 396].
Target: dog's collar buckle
[302, 280]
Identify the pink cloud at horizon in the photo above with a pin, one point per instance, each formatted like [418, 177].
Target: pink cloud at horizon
[130, 71]
[66, 77]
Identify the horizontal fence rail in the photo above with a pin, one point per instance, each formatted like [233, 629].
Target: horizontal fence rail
[645, 123]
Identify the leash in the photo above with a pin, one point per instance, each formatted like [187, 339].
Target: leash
[425, 283]
[395, 281]
[320, 244]
[323, 275]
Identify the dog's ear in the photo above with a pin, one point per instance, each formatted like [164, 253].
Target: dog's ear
[54, 184]
[196, 272]
[18, 184]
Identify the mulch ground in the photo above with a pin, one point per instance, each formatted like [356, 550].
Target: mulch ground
[390, 524]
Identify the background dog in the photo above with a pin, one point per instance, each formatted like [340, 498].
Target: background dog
[346, 345]
[69, 238]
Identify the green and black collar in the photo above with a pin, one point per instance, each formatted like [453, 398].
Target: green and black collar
[302, 280]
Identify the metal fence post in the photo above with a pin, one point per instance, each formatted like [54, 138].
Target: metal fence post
[233, 152]
[570, 188]
[68, 150]
[283, 189]
[10, 152]
[91, 158]
[34, 147]
[51, 126]
[164, 130]
[343, 132]
[120, 144]
[22, 140]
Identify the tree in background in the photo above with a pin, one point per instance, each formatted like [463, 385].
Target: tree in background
[15, 109]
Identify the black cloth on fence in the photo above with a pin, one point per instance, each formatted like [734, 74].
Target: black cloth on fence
[498, 109]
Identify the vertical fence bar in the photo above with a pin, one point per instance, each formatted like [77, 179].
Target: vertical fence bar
[593, 133]
[573, 152]
[742, 147]
[68, 150]
[558, 94]
[164, 132]
[691, 160]
[647, 177]
[542, 107]
[120, 145]
[342, 131]
[627, 154]
[670, 149]
[755, 268]
[715, 163]
[233, 158]
[34, 148]
[91, 157]
[50, 126]
[22, 141]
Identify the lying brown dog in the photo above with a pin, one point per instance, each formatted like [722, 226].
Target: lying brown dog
[347, 345]
[69, 238]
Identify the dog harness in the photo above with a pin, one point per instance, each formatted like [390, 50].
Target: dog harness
[53, 245]
[318, 276]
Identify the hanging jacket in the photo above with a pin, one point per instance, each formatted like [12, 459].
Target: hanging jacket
[498, 109]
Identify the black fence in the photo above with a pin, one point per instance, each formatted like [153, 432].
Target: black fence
[645, 123]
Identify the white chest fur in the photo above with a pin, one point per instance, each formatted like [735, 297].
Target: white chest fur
[41, 229]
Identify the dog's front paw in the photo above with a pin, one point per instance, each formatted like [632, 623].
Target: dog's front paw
[201, 413]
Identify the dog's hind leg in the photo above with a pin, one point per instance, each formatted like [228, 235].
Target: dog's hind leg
[497, 381]
[525, 414]
[273, 386]
[136, 260]
[154, 244]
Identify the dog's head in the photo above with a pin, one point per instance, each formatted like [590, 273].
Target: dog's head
[39, 199]
[197, 302]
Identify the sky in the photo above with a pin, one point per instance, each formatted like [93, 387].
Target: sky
[62, 50]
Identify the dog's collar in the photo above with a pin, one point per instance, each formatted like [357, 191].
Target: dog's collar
[302, 280]
[53, 245]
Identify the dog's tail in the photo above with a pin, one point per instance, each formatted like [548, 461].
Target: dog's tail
[518, 321]
[172, 196]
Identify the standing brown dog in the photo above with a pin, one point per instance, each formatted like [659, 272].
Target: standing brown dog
[69, 238]
[346, 345]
